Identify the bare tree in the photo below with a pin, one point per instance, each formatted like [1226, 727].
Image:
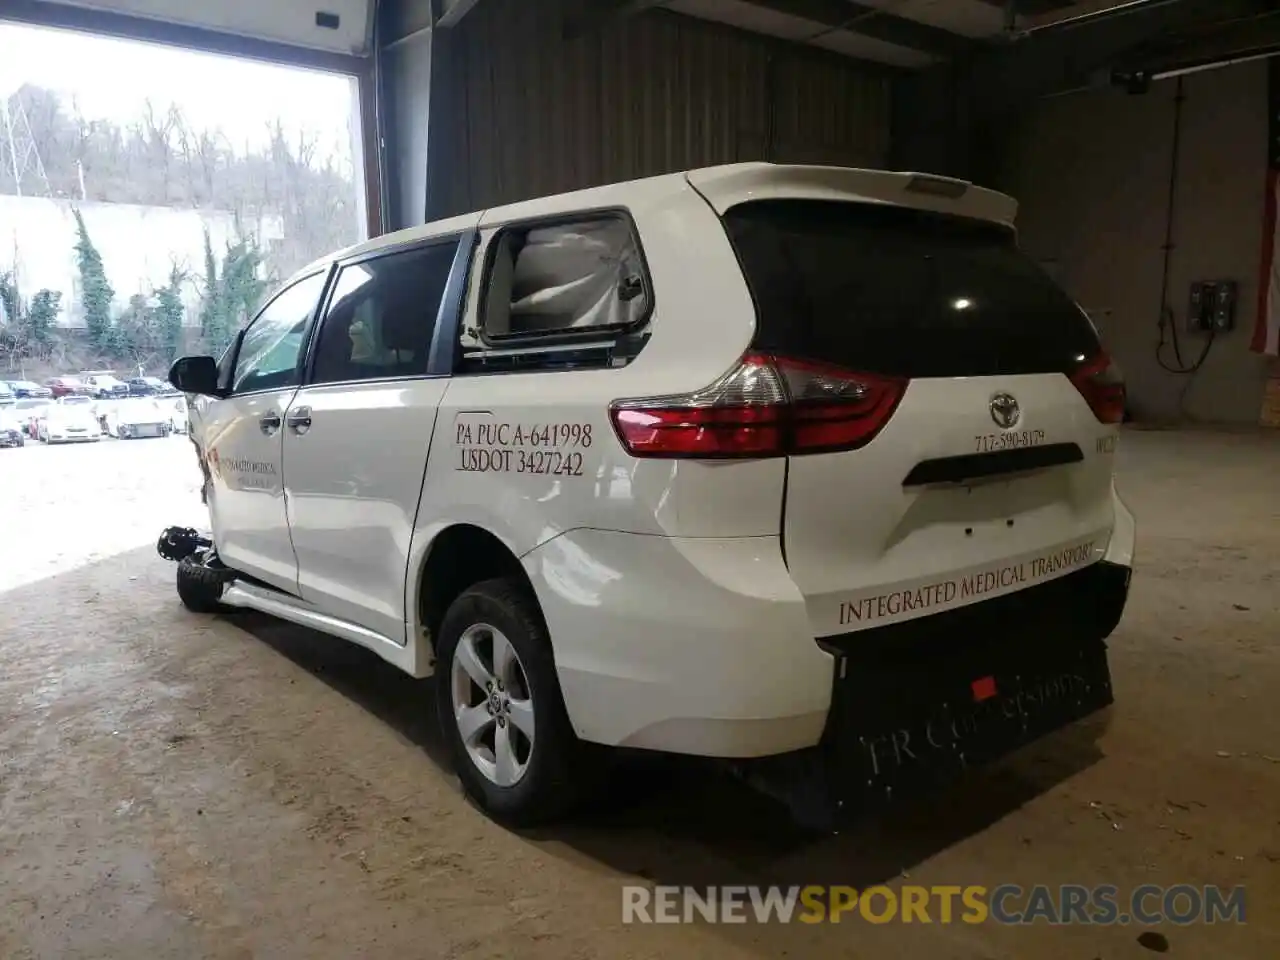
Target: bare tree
[187, 155]
[207, 154]
[156, 131]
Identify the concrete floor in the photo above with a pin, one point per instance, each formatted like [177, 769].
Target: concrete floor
[181, 787]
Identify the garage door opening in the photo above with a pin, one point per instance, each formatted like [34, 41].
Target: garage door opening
[150, 199]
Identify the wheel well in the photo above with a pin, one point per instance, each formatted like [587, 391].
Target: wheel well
[460, 557]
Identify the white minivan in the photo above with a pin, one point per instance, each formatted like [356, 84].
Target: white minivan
[809, 468]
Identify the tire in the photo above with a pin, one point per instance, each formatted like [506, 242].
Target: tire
[551, 781]
[200, 587]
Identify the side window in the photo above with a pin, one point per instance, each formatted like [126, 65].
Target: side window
[272, 344]
[565, 278]
[382, 316]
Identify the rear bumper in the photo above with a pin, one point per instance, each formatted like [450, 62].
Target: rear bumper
[704, 646]
[998, 675]
[144, 429]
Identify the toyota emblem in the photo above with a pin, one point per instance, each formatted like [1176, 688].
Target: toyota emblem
[1004, 410]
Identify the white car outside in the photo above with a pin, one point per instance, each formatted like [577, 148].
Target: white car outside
[69, 423]
[177, 407]
[106, 385]
[753, 462]
[137, 417]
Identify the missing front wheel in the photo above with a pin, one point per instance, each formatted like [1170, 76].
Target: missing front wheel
[178, 543]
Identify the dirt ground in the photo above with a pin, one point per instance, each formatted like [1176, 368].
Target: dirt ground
[173, 786]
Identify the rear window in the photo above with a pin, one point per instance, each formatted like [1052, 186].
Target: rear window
[895, 291]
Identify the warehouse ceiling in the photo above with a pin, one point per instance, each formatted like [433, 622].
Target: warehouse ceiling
[899, 33]
[910, 34]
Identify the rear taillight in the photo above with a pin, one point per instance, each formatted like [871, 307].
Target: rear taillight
[1100, 383]
[765, 406]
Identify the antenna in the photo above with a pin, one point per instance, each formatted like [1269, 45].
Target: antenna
[19, 158]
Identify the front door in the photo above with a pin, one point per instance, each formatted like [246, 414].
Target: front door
[242, 434]
[357, 433]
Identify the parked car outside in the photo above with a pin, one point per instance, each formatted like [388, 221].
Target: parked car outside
[6, 394]
[88, 402]
[27, 390]
[12, 429]
[176, 404]
[29, 413]
[137, 417]
[145, 386]
[69, 423]
[74, 400]
[66, 386]
[105, 385]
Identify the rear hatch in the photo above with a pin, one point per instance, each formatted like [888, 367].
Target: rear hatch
[983, 460]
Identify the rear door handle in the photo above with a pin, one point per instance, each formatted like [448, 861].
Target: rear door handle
[299, 420]
[269, 422]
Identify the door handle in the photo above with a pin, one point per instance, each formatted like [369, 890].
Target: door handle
[269, 423]
[299, 420]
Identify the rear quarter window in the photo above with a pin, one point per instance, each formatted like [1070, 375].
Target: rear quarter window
[901, 292]
[565, 294]
[580, 276]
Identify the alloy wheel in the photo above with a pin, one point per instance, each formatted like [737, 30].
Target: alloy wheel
[492, 704]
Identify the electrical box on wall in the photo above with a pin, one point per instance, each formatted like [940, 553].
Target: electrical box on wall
[1212, 308]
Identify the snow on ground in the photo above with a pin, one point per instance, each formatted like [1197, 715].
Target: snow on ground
[66, 506]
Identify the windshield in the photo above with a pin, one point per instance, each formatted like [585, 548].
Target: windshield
[76, 401]
[896, 291]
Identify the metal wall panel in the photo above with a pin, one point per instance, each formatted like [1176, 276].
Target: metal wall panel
[533, 113]
[1091, 172]
[407, 69]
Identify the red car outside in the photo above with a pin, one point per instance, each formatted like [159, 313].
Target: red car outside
[66, 386]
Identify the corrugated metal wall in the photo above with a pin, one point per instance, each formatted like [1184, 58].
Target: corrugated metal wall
[1091, 172]
[522, 112]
